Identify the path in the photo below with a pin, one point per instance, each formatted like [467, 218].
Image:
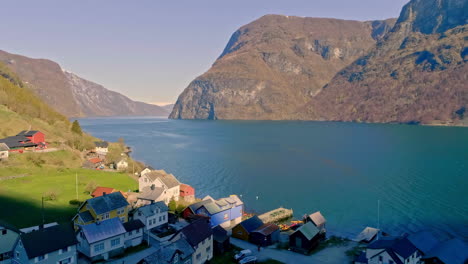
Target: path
[331, 255]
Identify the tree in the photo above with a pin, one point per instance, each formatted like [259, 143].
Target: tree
[76, 128]
[172, 205]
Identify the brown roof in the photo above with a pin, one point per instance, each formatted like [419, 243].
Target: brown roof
[101, 190]
[267, 229]
[168, 179]
[318, 218]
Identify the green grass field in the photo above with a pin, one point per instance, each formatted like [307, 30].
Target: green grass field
[41, 173]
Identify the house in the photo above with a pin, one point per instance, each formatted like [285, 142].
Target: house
[367, 235]
[425, 241]
[246, 227]
[146, 170]
[453, 251]
[54, 244]
[4, 149]
[150, 195]
[318, 220]
[100, 191]
[102, 239]
[200, 237]
[122, 165]
[152, 215]
[134, 233]
[101, 147]
[265, 235]
[392, 250]
[161, 179]
[187, 193]
[9, 237]
[221, 240]
[25, 140]
[305, 238]
[113, 205]
[34, 136]
[226, 212]
[178, 252]
[94, 163]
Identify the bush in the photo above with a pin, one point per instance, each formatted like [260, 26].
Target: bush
[50, 195]
[75, 202]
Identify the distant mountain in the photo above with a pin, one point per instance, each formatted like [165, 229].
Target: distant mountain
[275, 64]
[71, 95]
[95, 100]
[282, 67]
[417, 74]
[168, 107]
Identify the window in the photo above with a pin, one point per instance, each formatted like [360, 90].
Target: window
[115, 242]
[160, 218]
[130, 233]
[99, 247]
[164, 217]
[40, 258]
[137, 231]
[4, 232]
[122, 219]
[121, 211]
[198, 256]
[63, 250]
[65, 261]
[380, 258]
[105, 216]
[208, 249]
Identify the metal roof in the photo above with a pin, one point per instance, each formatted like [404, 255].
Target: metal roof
[368, 234]
[150, 209]
[251, 224]
[196, 232]
[318, 218]
[27, 133]
[266, 229]
[167, 253]
[108, 202]
[47, 240]
[309, 230]
[103, 230]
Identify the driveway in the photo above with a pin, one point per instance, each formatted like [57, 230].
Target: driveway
[330, 255]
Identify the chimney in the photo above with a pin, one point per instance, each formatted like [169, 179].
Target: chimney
[103, 193]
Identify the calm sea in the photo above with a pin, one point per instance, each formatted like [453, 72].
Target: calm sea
[419, 174]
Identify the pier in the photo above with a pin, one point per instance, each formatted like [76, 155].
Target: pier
[276, 215]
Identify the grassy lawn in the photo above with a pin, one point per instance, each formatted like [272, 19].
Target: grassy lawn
[20, 198]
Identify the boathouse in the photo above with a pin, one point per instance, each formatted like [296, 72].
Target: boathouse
[265, 235]
[304, 239]
[226, 212]
[246, 227]
[318, 220]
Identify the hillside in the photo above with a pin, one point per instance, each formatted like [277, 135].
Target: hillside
[418, 74]
[71, 95]
[274, 64]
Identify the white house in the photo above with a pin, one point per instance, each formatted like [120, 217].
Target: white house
[160, 179]
[4, 149]
[107, 238]
[9, 237]
[392, 251]
[122, 165]
[200, 236]
[152, 215]
[101, 147]
[54, 244]
[146, 170]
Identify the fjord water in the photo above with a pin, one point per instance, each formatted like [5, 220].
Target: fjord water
[419, 173]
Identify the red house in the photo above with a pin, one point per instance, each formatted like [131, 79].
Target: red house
[33, 135]
[100, 191]
[25, 140]
[187, 192]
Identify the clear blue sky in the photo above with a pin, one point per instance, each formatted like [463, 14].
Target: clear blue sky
[150, 50]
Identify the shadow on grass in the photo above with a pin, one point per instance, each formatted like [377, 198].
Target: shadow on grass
[24, 213]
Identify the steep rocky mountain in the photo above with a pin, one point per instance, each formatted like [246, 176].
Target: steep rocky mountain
[95, 100]
[418, 74]
[72, 95]
[275, 64]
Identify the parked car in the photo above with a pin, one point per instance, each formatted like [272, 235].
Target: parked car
[244, 253]
[248, 260]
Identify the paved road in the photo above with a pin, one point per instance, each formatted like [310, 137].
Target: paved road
[134, 258]
[331, 255]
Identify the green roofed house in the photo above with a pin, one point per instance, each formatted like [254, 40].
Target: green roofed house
[54, 244]
[9, 236]
[306, 238]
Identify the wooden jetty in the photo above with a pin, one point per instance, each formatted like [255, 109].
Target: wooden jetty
[276, 215]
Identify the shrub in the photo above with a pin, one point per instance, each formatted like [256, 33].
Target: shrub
[50, 195]
[75, 202]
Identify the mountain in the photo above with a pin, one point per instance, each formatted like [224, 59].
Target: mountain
[71, 95]
[275, 64]
[95, 100]
[168, 107]
[417, 74]
[323, 69]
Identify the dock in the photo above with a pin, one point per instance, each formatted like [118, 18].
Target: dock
[276, 215]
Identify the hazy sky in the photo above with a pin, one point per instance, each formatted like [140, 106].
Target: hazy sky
[150, 50]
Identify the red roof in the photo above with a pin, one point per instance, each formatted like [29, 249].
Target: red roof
[101, 190]
[95, 160]
[186, 189]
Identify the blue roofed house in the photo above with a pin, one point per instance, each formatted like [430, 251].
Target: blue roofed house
[104, 239]
[392, 250]
[54, 244]
[152, 215]
[226, 212]
[200, 237]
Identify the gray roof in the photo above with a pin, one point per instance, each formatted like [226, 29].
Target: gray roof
[15, 142]
[251, 224]
[453, 251]
[86, 216]
[4, 147]
[27, 133]
[149, 193]
[48, 240]
[149, 210]
[318, 218]
[368, 234]
[168, 179]
[165, 254]
[108, 202]
[399, 245]
[103, 230]
[101, 144]
[309, 230]
[133, 225]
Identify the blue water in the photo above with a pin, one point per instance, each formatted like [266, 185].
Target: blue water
[419, 174]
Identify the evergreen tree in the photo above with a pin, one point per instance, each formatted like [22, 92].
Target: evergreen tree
[76, 128]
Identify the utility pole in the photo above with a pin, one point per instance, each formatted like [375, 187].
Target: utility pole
[43, 218]
[378, 218]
